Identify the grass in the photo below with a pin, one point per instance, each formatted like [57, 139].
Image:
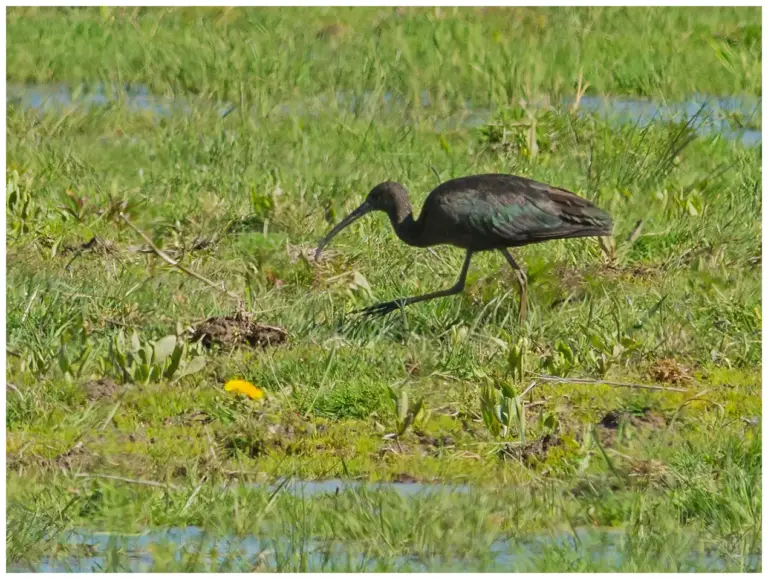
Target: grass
[485, 56]
[237, 198]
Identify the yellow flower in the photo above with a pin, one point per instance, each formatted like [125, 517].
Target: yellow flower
[243, 387]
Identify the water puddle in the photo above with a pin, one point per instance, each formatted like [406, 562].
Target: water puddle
[57, 97]
[717, 115]
[602, 549]
[289, 548]
[714, 115]
[309, 489]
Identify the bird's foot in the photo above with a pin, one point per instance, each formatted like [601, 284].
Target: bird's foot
[381, 309]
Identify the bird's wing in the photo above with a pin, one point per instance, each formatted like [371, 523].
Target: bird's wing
[511, 221]
[573, 209]
[525, 215]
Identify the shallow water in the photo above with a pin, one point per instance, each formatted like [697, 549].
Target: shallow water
[308, 489]
[604, 549]
[47, 97]
[713, 118]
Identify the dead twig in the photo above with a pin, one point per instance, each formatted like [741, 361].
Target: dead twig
[531, 387]
[9, 386]
[150, 483]
[606, 383]
[211, 448]
[581, 88]
[635, 233]
[29, 305]
[165, 257]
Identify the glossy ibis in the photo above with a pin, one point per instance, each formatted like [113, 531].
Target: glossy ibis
[480, 213]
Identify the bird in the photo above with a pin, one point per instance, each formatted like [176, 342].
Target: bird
[479, 213]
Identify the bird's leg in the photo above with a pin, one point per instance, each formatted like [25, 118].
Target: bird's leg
[521, 279]
[385, 308]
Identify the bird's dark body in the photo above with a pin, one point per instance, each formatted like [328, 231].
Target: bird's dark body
[480, 213]
[486, 212]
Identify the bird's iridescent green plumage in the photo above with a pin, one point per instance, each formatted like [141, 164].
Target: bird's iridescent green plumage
[494, 211]
[480, 213]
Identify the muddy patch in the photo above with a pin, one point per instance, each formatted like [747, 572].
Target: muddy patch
[531, 452]
[237, 330]
[435, 445]
[669, 370]
[76, 458]
[103, 388]
[616, 420]
[646, 418]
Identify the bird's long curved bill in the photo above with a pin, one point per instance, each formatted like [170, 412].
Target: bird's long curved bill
[348, 220]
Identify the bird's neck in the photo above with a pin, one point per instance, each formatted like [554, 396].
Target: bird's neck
[407, 228]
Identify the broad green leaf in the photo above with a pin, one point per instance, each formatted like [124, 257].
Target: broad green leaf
[402, 411]
[192, 367]
[146, 373]
[508, 390]
[393, 396]
[418, 408]
[120, 342]
[163, 348]
[135, 343]
[178, 351]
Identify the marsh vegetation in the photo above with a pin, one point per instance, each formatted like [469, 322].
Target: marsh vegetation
[274, 124]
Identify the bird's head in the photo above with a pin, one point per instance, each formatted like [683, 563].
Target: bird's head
[390, 197]
[387, 197]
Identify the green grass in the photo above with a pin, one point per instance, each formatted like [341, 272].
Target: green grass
[235, 198]
[494, 55]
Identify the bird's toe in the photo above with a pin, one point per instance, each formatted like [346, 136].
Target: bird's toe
[378, 310]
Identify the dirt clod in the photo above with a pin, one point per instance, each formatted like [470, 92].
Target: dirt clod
[612, 420]
[237, 330]
[75, 458]
[669, 370]
[434, 444]
[646, 419]
[102, 388]
[536, 449]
